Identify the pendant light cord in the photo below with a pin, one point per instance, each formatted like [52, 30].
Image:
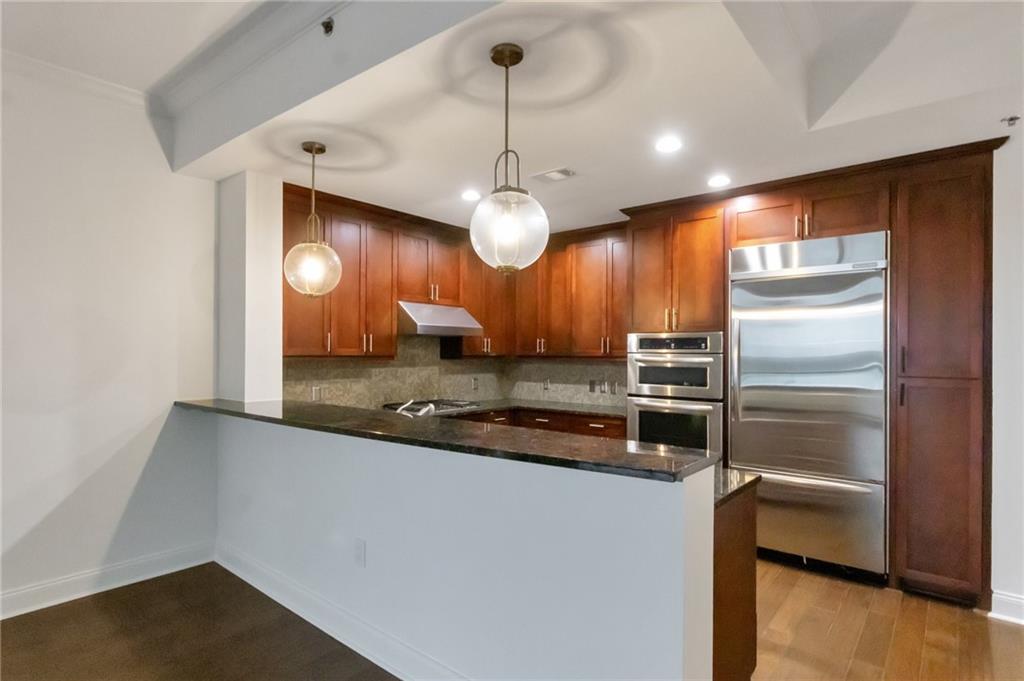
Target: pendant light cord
[314, 227]
[506, 124]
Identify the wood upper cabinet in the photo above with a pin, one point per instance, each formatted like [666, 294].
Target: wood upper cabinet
[428, 269]
[678, 271]
[530, 306]
[379, 290]
[842, 206]
[698, 272]
[556, 339]
[487, 295]
[938, 494]
[598, 283]
[347, 327]
[767, 218]
[650, 254]
[939, 270]
[306, 320]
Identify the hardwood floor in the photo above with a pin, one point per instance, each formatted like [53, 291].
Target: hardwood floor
[812, 626]
[203, 624]
[206, 624]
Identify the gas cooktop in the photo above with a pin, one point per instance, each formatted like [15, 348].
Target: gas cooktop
[428, 407]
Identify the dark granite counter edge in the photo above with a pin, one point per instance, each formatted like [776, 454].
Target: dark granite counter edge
[693, 466]
[730, 482]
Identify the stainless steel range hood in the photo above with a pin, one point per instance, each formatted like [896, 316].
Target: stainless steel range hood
[424, 319]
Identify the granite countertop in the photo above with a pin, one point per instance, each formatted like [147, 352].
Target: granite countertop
[567, 407]
[597, 454]
[729, 482]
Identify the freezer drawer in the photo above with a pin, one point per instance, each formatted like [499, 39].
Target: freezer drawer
[832, 520]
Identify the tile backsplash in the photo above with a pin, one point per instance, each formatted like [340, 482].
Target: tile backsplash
[418, 372]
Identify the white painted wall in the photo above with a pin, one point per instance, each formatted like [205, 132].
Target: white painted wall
[108, 313]
[1008, 381]
[249, 311]
[474, 567]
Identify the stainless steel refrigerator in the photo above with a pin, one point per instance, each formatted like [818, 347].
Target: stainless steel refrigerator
[807, 407]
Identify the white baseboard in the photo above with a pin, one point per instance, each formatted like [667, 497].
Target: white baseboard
[88, 582]
[381, 648]
[1007, 607]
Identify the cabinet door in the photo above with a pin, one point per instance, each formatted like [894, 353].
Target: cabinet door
[347, 298]
[413, 275]
[444, 267]
[473, 300]
[530, 301]
[497, 309]
[938, 495]
[379, 290]
[650, 273]
[306, 320]
[589, 312]
[764, 218]
[846, 206]
[698, 272]
[938, 246]
[618, 292]
[557, 323]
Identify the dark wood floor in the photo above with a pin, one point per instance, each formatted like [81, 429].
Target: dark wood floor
[202, 623]
[206, 624]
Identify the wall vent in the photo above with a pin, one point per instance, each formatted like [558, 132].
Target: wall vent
[556, 175]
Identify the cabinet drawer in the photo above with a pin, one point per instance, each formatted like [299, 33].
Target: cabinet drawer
[542, 420]
[499, 416]
[600, 426]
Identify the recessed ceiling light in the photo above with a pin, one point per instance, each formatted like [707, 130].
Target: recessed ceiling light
[718, 180]
[668, 144]
[471, 195]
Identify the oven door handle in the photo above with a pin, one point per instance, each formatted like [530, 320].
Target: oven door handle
[672, 405]
[672, 359]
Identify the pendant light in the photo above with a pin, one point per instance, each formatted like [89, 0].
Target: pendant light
[312, 267]
[509, 228]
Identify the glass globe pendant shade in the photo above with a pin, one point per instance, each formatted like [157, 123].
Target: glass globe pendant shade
[312, 268]
[509, 230]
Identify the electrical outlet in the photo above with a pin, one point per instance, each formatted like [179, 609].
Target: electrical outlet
[476, 383]
[615, 387]
[547, 384]
[317, 393]
[604, 387]
[593, 386]
[359, 552]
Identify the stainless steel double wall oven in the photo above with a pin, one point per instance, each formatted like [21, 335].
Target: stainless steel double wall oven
[675, 386]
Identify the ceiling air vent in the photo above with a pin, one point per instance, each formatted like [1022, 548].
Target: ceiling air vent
[556, 175]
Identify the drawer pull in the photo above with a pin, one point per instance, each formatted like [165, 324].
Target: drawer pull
[502, 418]
[539, 420]
[596, 425]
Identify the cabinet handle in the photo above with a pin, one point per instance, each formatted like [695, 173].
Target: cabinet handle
[796, 226]
[538, 345]
[543, 346]
[538, 420]
[371, 343]
[903, 359]
[675, 319]
[502, 418]
[328, 342]
[903, 393]
[595, 425]
[364, 343]
[807, 225]
[667, 326]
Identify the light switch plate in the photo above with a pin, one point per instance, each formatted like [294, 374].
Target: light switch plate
[359, 552]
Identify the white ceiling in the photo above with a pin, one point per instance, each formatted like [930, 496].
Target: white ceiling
[601, 81]
[133, 44]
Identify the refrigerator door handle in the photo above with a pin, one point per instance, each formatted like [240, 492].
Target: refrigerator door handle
[800, 481]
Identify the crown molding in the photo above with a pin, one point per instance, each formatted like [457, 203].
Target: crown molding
[41, 71]
[267, 30]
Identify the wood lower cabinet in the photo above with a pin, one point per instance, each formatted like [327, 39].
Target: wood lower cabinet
[734, 616]
[558, 421]
[938, 512]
